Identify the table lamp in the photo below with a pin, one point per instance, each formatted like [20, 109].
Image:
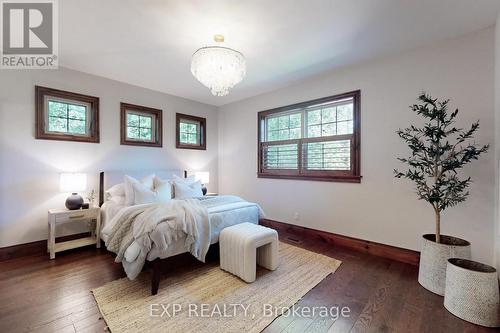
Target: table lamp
[204, 177]
[74, 183]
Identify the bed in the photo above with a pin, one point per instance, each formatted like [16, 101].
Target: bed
[223, 211]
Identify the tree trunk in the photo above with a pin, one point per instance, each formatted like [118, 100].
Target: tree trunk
[438, 226]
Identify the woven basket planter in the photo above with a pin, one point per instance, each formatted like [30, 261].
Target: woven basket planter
[434, 258]
[472, 292]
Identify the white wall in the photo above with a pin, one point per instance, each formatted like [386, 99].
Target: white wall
[381, 208]
[29, 168]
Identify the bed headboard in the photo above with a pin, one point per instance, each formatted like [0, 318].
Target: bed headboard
[110, 178]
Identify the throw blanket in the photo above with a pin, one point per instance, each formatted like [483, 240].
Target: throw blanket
[175, 219]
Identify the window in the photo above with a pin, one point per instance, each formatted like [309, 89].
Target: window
[63, 115]
[190, 132]
[140, 125]
[317, 140]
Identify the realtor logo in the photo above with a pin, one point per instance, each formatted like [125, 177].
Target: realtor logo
[29, 36]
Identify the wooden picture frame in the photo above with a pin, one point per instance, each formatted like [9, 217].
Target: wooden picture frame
[156, 128]
[44, 94]
[202, 145]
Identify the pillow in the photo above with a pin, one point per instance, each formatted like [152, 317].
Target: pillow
[144, 195]
[116, 190]
[118, 199]
[164, 185]
[184, 190]
[129, 191]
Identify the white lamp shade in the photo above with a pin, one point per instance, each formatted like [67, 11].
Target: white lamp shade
[72, 182]
[203, 176]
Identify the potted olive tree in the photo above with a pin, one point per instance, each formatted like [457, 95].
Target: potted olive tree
[438, 151]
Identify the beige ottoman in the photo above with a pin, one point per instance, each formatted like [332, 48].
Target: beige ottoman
[245, 245]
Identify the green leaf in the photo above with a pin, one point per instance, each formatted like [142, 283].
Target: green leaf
[437, 154]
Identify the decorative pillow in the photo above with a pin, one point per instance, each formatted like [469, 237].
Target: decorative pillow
[129, 191]
[118, 199]
[116, 190]
[144, 195]
[185, 190]
[164, 185]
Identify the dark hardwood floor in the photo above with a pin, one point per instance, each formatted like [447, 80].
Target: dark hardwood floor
[41, 295]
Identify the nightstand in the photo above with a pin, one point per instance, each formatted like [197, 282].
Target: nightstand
[60, 216]
[211, 194]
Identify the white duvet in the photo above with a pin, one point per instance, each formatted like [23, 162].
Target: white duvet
[161, 232]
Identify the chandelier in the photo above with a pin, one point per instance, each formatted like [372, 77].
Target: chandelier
[218, 68]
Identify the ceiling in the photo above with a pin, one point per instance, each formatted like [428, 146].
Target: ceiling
[149, 43]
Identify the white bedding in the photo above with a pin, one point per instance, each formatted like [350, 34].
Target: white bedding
[220, 217]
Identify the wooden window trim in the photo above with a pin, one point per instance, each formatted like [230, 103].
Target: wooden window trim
[40, 121]
[157, 125]
[351, 176]
[203, 130]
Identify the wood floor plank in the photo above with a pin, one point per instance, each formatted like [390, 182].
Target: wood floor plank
[41, 295]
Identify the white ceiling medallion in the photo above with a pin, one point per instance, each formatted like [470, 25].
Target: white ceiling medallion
[218, 68]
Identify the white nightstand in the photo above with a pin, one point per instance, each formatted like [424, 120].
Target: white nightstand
[60, 216]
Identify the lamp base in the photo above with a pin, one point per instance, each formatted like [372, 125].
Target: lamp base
[74, 201]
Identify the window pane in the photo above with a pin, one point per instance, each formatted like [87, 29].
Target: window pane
[273, 135]
[192, 139]
[284, 127]
[330, 155]
[284, 122]
[77, 111]
[132, 120]
[145, 122]
[133, 132]
[281, 157]
[76, 126]
[192, 128]
[344, 112]
[284, 134]
[183, 137]
[328, 129]
[314, 117]
[314, 131]
[350, 127]
[295, 133]
[145, 134]
[328, 115]
[57, 109]
[272, 124]
[344, 127]
[57, 124]
[295, 120]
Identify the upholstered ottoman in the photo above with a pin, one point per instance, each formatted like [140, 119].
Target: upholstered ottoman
[245, 245]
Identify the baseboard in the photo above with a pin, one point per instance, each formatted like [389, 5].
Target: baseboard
[33, 248]
[360, 245]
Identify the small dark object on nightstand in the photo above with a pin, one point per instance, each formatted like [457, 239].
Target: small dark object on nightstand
[74, 201]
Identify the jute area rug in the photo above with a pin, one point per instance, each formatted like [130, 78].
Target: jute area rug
[208, 299]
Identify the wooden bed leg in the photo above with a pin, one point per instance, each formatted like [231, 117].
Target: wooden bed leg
[155, 276]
